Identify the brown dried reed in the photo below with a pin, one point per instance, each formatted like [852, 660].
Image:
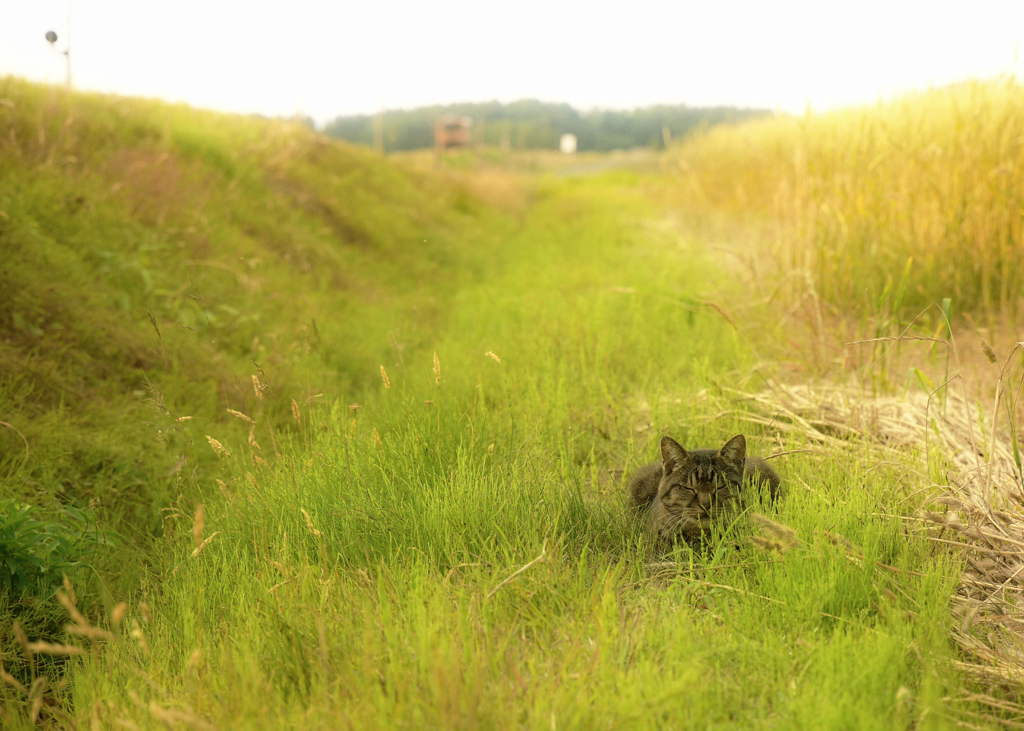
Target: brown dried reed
[979, 509]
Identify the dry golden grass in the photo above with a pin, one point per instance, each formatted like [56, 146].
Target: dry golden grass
[218, 447]
[889, 208]
[898, 216]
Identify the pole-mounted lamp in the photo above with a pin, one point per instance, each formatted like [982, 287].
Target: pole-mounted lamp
[51, 38]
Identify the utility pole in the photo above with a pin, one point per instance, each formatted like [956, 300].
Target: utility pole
[51, 38]
[67, 50]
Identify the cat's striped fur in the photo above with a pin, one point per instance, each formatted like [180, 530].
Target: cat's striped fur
[685, 493]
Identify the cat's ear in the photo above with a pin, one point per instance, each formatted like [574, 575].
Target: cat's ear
[672, 454]
[735, 451]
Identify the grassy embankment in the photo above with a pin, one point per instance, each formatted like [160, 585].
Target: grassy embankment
[156, 259]
[454, 552]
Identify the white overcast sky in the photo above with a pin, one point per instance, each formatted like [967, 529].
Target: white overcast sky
[330, 58]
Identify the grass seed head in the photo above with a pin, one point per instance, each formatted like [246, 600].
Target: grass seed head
[69, 606]
[309, 524]
[198, 524]
[199, 549]
[239, 415]
[219, 449]
[92, 633]
[775, 533]
[258, 387]
[69, 589]
[35, 693]
[51, 648]
[767, 544]
[11, 680]
[20, 637]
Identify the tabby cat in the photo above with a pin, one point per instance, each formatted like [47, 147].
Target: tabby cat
[687, 492]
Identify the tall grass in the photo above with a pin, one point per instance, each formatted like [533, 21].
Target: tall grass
[904, 220]
[455, 552]
[889, 208]
[412, 413]
[155, 258]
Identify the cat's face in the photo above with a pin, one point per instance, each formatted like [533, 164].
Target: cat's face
[698, 487]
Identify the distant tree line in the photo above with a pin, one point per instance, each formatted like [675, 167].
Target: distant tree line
[532, 124]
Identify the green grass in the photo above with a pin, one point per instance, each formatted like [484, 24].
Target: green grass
[155, 258]
[452, 554]
[396, 614]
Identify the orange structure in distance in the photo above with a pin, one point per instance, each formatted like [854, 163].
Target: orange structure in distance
[452, 131]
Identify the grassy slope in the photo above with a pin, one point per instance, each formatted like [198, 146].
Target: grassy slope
[368, 575]
[172, 252]
[154, 259]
